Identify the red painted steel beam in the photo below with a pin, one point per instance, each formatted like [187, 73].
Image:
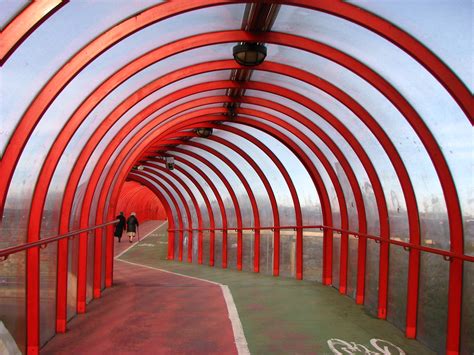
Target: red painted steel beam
[163, 173]
[235, 202]
[289, 183]
[250, 194]
[186, 207]
[22, 25]
[215, 191]
[313, 172]
[265, 181]
[263, 178]
[301, 155]
[210, 213]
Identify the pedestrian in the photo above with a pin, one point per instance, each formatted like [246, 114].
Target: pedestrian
[132, 226]
[120, 226]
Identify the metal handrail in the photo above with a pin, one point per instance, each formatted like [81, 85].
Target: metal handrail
[43, 243]
[447, 255]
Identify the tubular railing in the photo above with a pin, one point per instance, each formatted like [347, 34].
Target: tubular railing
[43, 243]
[447, 255]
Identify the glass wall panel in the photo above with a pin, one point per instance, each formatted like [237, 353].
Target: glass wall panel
[205, 247]
[10, 9]
[288, 254]
[352, 267]
[232, 249]
[336, 259]
[372, 277]
[397, 286]
[438, 28]
[230, 214]
[13, 295]
[256, 184]
[218, 251]
[312, 254]
[441, 114]
[306, 191]
[433, 302]
[112, 133]
[234, 181]
[266, 252]
[248, 239]
[72, 27]
[272, 173]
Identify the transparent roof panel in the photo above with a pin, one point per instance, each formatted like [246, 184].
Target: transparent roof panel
[10, 9]
[438, 29]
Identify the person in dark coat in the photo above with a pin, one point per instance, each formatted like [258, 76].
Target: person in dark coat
[132, 226]
[120, 226]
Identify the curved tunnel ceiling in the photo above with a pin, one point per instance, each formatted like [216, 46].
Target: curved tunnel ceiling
[357, 120]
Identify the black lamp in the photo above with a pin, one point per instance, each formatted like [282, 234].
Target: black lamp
[249, 54]
[204, 132]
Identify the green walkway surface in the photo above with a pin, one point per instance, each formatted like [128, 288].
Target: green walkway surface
[286, 316]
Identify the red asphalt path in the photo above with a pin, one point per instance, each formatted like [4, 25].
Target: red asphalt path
[150, 312]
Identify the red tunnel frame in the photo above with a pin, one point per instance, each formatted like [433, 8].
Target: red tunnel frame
[456, 265]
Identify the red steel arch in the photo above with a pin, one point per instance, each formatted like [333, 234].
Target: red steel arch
[163, 173]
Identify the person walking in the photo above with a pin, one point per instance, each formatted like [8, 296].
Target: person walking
[120, 226]
[132, 226]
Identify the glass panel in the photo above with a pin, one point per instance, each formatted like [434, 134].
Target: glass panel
[438, 28]
[266, 252]
[77, 23]
[48, 267]
[73, 260]
[232, 250]
[218, 249]
[397, 286]
[352, 267]
[433, 302]
[312, 254]
[306, 191]
[336, 258]
[364, 138]
[248, 239]
[372, 277]
[275, 178]
[10, 9]
[256, 184]
[441, 114]
[13, 296]
[205, 248]
[244, 202]
[288, 254]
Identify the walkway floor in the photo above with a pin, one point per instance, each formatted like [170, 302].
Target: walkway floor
[150, 311]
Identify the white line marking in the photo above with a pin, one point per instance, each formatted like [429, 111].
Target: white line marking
[134, 244]
[239, 336]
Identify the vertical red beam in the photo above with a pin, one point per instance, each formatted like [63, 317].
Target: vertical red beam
[32, 300]
[234, 199]
[248, 189]
[82, 273]
[97, 263]
[109, 256]
[162, 171]
[61, 286]
[204, 196]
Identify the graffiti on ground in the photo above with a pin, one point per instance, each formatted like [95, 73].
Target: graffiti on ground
[379, 347]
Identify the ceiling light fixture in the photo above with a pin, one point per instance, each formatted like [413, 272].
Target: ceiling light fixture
[249, 54]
